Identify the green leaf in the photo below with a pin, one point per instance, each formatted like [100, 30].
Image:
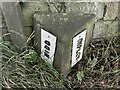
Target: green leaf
[33, 55]
[80, 75]
[30, 56]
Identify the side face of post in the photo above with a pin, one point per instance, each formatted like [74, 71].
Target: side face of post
[66, 28]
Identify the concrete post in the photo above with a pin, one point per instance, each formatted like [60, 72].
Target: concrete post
[61, 38]
[13, 18]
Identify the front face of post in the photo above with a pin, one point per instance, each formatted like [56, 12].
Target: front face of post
[61, 38]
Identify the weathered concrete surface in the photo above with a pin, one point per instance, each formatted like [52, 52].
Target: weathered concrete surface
[57, 6]
[4, 34]
[99, 10]
[12, 14]
[111, 11]
[105, 28]
[1, 22]
[29, 8]
[64, 26]
[96, 8]
[0, 48]
[102, 10]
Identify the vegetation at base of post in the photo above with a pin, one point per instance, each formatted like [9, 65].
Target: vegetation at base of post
[26, 69]
[100, 68]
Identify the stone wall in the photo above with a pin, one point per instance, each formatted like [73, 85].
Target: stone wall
[0, 23]
[106, 21]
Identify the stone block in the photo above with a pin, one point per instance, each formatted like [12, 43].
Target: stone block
[96, 8]
[67, 32]
[105, 29]
[82, 7]
[99, 10]
[111, 11]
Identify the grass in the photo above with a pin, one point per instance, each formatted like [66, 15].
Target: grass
[99, 68]
[26, 69]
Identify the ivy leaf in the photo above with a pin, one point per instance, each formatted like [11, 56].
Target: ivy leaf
[33, 55]
[80, 75]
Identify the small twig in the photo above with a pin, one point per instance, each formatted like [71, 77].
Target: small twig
[105, 51]
[6, 82]
[12, 82]
[30, 37]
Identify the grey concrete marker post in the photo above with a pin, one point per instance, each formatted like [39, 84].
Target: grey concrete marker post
[13, 18]
[61, 38]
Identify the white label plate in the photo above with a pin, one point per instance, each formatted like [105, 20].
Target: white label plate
[78, 46]
[48, 45]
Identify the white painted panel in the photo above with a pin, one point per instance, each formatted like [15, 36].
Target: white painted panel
[78, 46]
[48, 45]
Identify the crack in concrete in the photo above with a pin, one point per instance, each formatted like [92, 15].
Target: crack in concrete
[48, 7]
[105, 11]
[61, 7]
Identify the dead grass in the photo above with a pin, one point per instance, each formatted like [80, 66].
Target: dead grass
[100, 68]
